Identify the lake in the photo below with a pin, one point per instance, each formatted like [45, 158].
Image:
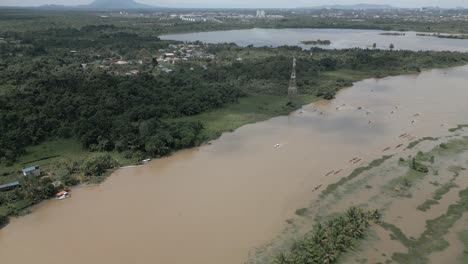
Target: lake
[340, 38]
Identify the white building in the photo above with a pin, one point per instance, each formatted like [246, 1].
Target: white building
[261, 14]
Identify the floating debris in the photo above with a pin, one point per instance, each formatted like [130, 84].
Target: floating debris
[358, 160]
[316, 188]
[336, 172]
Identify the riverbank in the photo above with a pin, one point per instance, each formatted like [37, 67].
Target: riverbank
[242, 186]
[319, 76]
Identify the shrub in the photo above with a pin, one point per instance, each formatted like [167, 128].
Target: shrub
[4, 220]
[98, 164]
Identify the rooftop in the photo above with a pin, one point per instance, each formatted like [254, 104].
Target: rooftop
[8, 185]
[30, 169]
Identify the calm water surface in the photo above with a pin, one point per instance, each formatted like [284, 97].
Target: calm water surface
[340, 38]
[216, 203]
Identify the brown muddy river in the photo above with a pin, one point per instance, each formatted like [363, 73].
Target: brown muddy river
[217, 203]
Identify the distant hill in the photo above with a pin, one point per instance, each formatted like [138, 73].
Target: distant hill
[353, 7]
[116, 4]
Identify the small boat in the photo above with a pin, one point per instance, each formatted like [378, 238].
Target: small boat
[146, 160]
[62, 195]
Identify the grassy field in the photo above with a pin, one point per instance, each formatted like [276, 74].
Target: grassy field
[464, 238]
[248, 110]
[49, 152]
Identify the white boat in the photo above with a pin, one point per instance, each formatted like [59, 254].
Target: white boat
[62, 195]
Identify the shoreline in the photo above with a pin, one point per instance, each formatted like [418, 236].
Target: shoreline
[248, 183]
[218, 134]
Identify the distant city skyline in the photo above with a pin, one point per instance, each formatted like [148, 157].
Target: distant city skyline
[251, 4]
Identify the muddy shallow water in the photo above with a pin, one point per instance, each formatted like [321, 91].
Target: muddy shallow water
[216, 203]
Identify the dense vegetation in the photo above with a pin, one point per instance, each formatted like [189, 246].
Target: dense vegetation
[59, 79]
[48, 95]
[326, 242]
[316, 42]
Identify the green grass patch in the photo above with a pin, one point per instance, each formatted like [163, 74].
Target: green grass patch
[459, 127]
[427, 205]
[375, 163]
[248, 110]
[401, 186]
[302, 211]
[432, 239]
[464, 238]
[439, 193]
[417, 142]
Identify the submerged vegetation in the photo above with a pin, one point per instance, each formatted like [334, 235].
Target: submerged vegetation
[375, 163]
[394, 182]
[433, 237]
[327, 241]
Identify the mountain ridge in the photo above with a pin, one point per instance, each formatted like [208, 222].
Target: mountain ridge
[351, 7]
[116, 4]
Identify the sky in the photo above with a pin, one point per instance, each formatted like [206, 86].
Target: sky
[252, 4]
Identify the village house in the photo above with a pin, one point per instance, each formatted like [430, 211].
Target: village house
[9, 186]
[32, 171]
[120, 62]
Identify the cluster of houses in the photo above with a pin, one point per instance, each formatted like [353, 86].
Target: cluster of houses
[171, 55]
[183, 52]
[34, 171]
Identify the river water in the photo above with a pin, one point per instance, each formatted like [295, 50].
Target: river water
[340, 38]
[216, 203]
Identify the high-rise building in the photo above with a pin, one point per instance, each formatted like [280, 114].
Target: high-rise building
[261, 14]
